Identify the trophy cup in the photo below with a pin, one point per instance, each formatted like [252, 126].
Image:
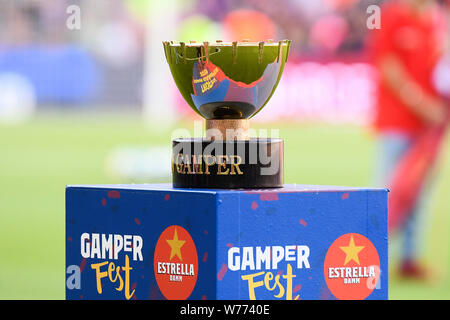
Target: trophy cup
[227, 83]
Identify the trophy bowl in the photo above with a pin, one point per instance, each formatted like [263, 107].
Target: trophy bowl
[227, 80]
[227, 83]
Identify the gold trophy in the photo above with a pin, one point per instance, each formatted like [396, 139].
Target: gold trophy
[227, 83]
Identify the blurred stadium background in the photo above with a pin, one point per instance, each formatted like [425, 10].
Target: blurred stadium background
[92, 101]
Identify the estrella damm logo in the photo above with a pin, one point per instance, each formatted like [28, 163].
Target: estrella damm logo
[175, 263]
[352, 267]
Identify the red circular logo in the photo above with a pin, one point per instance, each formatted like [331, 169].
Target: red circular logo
[352, 267]
[175, 263]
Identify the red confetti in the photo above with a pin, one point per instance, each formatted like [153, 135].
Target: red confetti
[302, 222]
[222, 272]
[230, 245]
[153, 293]
[114, 194]
[69, 239]
[138, 222]
[268, 196]
[133, 286]
[205, 256]
[205, 231]
[204, 297]
[82, 264]
[297, 288]
[345, 196]
[324, 293]
[167, 197]
[103, 202]
[254, 205]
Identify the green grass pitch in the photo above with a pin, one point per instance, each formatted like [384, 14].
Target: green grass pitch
[39, 158]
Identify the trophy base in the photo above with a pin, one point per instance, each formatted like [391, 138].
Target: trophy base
[232, 164]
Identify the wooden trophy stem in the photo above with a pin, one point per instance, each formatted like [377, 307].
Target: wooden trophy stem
[227, 129]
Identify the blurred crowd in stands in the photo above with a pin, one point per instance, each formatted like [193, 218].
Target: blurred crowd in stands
[102, 62]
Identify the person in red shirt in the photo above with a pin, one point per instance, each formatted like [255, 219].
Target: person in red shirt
[405, 50]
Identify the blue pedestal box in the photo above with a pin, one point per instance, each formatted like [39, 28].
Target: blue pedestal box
[157, 242]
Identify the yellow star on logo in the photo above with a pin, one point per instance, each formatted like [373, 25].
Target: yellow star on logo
[351, 251]
[175, 246]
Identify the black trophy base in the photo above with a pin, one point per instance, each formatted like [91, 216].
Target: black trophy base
[239, 164]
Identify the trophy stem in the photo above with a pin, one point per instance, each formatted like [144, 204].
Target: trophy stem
[227, 129]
